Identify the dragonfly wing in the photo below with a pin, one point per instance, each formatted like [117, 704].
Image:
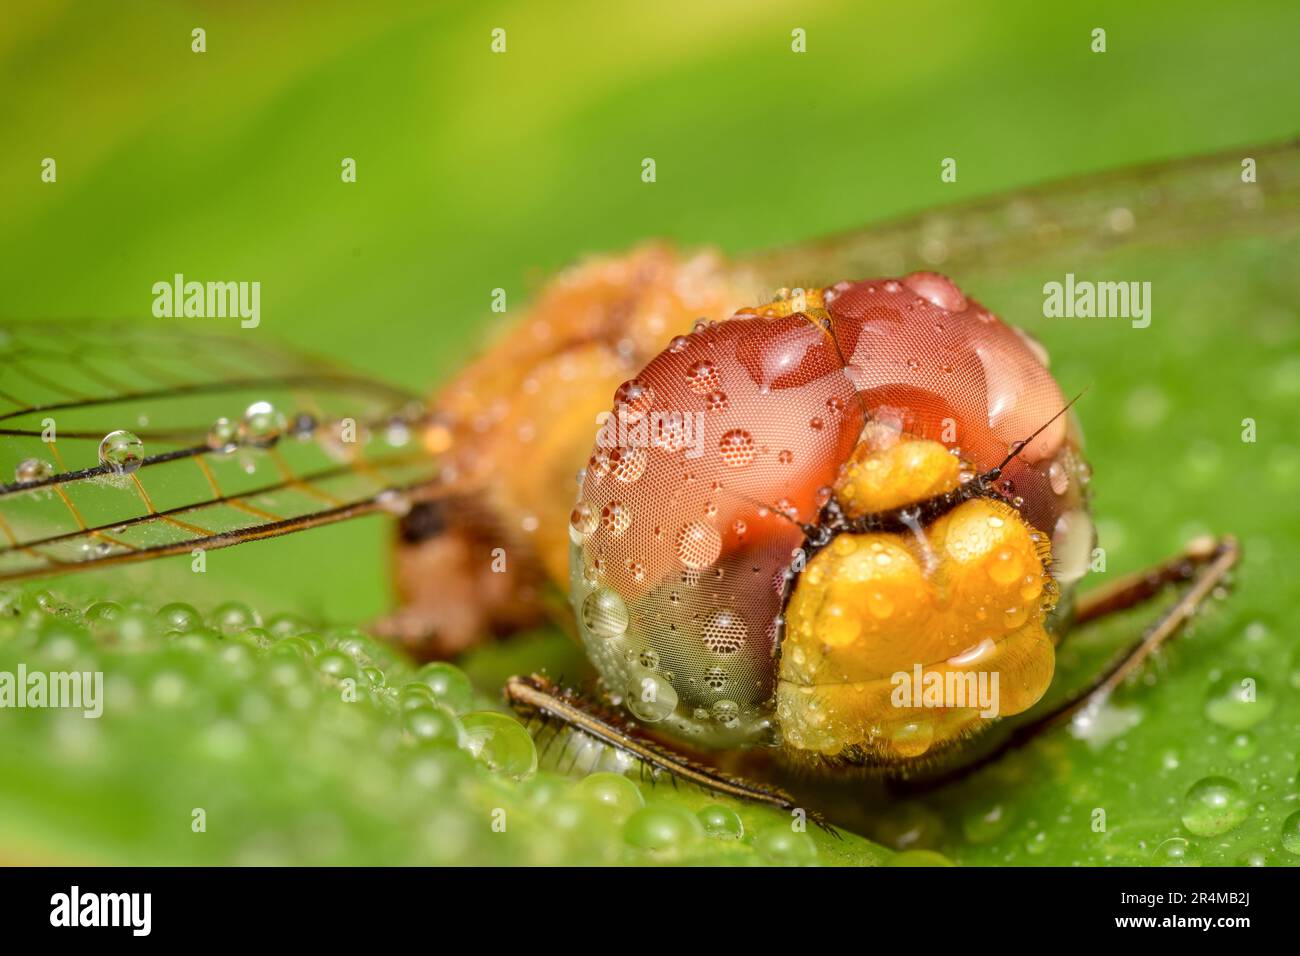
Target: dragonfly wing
[1072, 223]
[235, 442]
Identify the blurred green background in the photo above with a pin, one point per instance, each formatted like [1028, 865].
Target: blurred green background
[478, 171]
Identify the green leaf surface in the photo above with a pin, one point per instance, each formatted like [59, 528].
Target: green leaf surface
[477, 172]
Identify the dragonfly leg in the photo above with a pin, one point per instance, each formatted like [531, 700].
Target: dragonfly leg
[535, 697]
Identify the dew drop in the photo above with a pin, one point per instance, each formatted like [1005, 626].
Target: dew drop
[702, 377]
[121, 452]
[1213, 806]
[583, 519]
[1291, 833]
[698, 545]
[1005, 568]
[634, 398]
[32, 469]
[605, 614]
[262, 425]
[1239, 702]
[650, 697]
[724, 632]
[628, 464]
[725, 711]
[394, 502]
[737, 448]
[1058, 476]
[223, 435]
[615, 518]
[1072, 540]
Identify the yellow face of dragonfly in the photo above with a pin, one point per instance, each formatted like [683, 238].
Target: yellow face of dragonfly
[896, 644]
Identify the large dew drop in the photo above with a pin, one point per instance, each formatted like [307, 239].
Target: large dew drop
[121, 452]
[262, 425]
[650, 697]
[605, 614]
[1214, 806]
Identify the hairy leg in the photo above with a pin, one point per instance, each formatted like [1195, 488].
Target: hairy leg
[536, 697]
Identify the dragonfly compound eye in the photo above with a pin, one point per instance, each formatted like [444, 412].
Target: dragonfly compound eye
[786, 509]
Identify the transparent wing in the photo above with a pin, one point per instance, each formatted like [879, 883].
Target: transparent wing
[123, 443]
[1195, 202]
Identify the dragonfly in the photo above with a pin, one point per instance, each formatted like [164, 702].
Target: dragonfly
[125, 442]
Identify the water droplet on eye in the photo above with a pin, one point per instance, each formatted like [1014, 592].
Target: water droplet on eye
[724, 632]
[262, 425]
[835, 404]
[583, 519]
[679, 344]
[121, 452]
[816, 424]
[936, 289]
[634, 398]
[785, 457]
[717, 400]
[615, 518]
[725, 711]
[1071, 546]
[605, 614]
[1058, 476]
[32, 469]
[223, 435]
[628, 464]
[913, 365]
[598, 465]
[649, 659]
[737, 448]
[702, 377]
[1214, 805]
[716, 678]
[650, 697]
[698, 545]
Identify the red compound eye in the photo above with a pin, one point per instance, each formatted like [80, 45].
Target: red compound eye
[728, 441]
